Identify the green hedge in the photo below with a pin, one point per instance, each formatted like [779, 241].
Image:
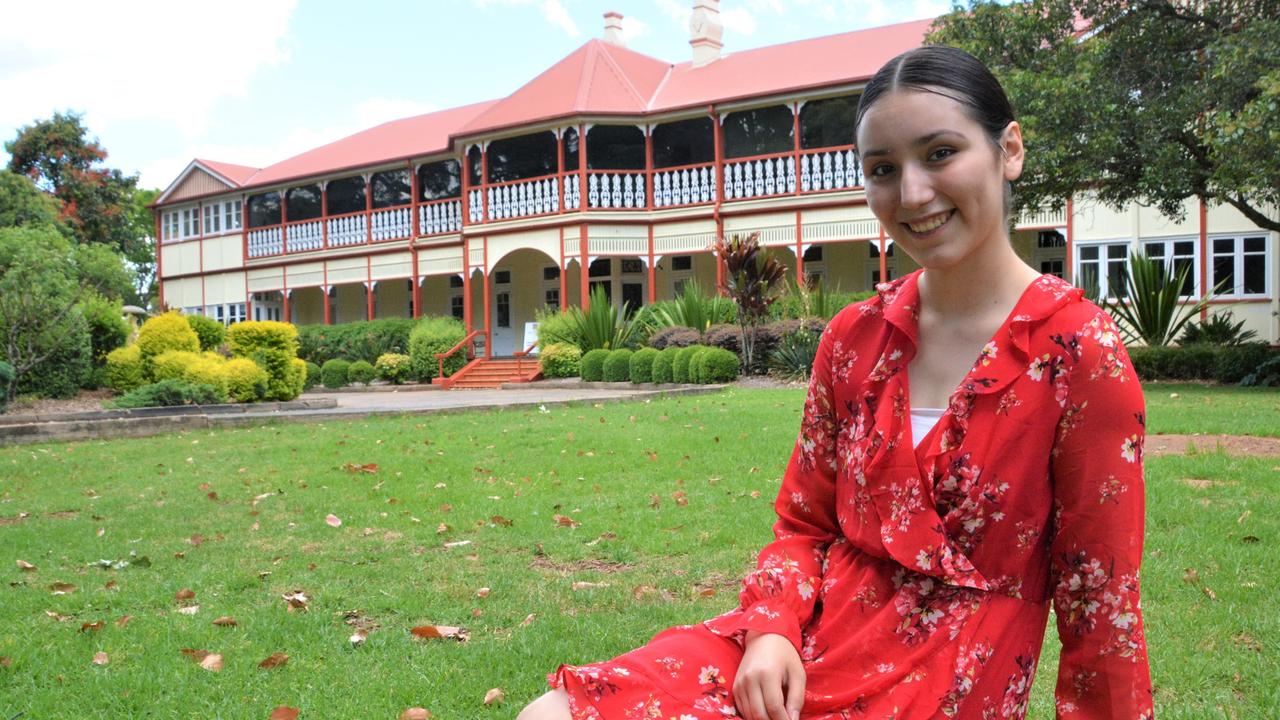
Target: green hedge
[169, 393]
[361, 371]
[560, 360]
[364, 340]
[395, 368]
[436, 335]
[210, 332]
[592, 365]
[63, 373]
[1227, 364]
[661, 372]
[641, 370]
[680, 366]
[312, 378]
[717, 365]
[274, 346]
[334, 373]
[617, 367]
[6, 377]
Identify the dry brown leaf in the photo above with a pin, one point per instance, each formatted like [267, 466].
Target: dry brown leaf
[92, 627]
[189, 609]
[707, 592]
[274, 660]
[639, 592]
[194, 654]
[655, 501]
[185, 595]
[100, 658]
[444, 632]
[260, 498]
[25, 566]
[111, 585]
[755, 494]
[124, 620]
[442, 528]
[333, 520]
[367, 468]
[584, 585]
[358, 637]
[680, 498]
[297, 600]
[212, 662]
[416, 713]
[495, 695]
[482, 592]
[499, 520]
[57, 616]
[284, 712]
[225, 621]
[528, 620]
[62, 588]
[566, 521]
[212, 496]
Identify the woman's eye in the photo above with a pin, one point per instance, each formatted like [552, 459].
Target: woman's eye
[942, 153]
[881, 170]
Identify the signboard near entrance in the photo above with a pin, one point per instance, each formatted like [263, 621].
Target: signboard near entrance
[530, 334]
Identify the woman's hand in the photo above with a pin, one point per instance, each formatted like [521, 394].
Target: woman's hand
[770, 680]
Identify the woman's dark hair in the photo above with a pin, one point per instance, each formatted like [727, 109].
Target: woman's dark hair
[947, 71]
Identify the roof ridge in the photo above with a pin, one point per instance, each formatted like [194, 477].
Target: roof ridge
[622, 75]
[588, 74]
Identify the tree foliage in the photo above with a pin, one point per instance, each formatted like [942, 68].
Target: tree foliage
[1154, 101]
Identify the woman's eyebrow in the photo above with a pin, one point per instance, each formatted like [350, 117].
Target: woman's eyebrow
[922, 140]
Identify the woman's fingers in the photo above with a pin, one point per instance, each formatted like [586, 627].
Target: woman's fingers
[774, 706]
[795, 690]
[754, 702]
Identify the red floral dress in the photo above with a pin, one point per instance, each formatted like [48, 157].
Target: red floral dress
[916, 582]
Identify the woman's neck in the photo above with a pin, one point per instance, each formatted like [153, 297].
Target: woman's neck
[985, 282]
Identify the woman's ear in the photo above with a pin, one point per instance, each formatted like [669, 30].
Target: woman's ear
[1012, 151]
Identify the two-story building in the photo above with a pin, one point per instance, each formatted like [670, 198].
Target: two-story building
[615, 170]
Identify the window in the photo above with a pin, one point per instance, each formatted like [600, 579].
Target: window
[343, 196]
[1100, 268]
[615, 147]
[681, 262]
[551, 272]
[552, 298]
[813, 254]
[502, 277]
[455, 306]
[1050, 239]
[264, 210]
[503, 309]
[455, 281]
[1052, 267]
[526, 156]
[631, 266]
[190, 223]
[303, 203]
[632, 296]
[600, 267]
[827, 123]
[437, 181]
[756, 132]
[212, 219]
[1240, 265]
[1182, 253]
[391, 189]
[687, 142]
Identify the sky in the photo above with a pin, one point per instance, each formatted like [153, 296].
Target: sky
[253, 82]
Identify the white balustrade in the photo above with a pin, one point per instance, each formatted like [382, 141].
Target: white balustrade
[349, 230]
[440, 217]
[475, 206]
[392, 223]
[265, 241]
[306, 236]
[830, 170]
[523, 199]
[616, 190]
[685, 186]
[759, 178]
[572, 193]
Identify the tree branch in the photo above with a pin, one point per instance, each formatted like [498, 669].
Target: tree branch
[1255, 216]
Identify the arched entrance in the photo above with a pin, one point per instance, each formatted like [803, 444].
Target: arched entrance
[522, 282]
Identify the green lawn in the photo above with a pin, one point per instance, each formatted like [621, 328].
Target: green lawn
[673, 498]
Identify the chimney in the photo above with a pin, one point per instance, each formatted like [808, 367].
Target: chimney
[705, 32]
[613, 28]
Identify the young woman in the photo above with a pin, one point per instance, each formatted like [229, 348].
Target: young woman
[970, 452]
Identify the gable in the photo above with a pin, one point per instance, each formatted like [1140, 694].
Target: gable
[195, 184]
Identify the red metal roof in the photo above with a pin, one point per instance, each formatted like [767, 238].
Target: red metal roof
[604, 79]
[238, 174]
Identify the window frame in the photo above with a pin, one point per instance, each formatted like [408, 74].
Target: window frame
[1103, 261]
[1238, 255]
[1169, 242]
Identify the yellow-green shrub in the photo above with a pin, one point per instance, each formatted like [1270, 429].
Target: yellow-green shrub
[274, 347]
[124, 369]
[246, 382]
[207, 371]
[297, 377]
[162, 333]
[173, 364]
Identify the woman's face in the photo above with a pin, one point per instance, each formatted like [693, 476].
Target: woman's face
[933, 178]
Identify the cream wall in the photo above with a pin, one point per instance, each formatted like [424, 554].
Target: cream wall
[307, 306]
[223, 252]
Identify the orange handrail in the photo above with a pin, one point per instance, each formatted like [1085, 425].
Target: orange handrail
[441, 356]
[520, 355]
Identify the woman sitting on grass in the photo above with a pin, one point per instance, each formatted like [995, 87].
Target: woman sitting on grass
[934, 504]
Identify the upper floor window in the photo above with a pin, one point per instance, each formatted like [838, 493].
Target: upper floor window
[264, 209]
[615, 147]
[570, 142]
[207, 218]
[212, 219]
[518, 158]
[391, 188]
[686, 142]
[758, 132]
[303, 203]
[439, 180]
[345, 195]
[1240, 265]
[828, 123]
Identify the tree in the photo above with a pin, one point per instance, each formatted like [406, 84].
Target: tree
[98, 204]
[22, 204]
[753, 279]
[1153, 101]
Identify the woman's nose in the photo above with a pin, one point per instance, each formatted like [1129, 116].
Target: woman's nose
[916, 189]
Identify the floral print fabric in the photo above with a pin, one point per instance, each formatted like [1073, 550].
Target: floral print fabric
[916, 582]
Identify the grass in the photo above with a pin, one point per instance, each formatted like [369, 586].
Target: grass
[673, 498]
[1186, 408]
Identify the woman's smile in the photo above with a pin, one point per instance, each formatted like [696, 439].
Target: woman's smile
[927, 226]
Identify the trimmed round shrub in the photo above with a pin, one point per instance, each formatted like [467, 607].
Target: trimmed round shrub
[728, 337]
[170, 393]
[334, 373]
[617, 367]
[210, 332]
[173, 364]
[246, 382]
[675, 336]
[312, 377]
[108, 329]
[642, 365]
[162, 333]
[662, 364]
[697, 371]
[435, 335]
[207, 371]
[717, 365]
[274, 346]
[560, 360]
[361, 372]
[124, 369]
[680, 366]
[393, 367]
[592, 365]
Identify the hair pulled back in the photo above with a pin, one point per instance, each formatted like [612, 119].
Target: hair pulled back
[946, 71]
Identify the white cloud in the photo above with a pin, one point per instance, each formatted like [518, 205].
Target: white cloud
[149, 59]
[556, 14]
[677, 11]
[739, 20]
[633, 28]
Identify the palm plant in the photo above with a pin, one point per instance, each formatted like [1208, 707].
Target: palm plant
[753, 279]
[1217, 330]
[1153, 310]
[692, 309]
[602, 325]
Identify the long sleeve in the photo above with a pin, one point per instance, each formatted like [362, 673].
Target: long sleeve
[1097, 546]
[779, 596]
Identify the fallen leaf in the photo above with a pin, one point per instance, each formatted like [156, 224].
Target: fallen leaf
[442, 632]
[655, 501]
[61, 588]
[358, 637]
[57, 616]
[111, 585]
[707, 592]
[499, 520]
[458, 543]
[212, 662]
[6, 661]
[100, 658]
[212, 496]
[415, 713]
[680, 498]
[225, 621]
[194, 654]
[367, 468]
[297, 600]
[482, 592]
[94, 626]
[1191, 576]
[25, 566]
[260, 498]
[528, 620]
[495, 695]
[755, 494]
[333, 520]
[476, 612]
[185, 594]
[274, 660]
[640, 591]
[584, 585]
[284, 712]
[124, 620]
[189, 609]
[442, 528]
[566, 521]
[1243, 516]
